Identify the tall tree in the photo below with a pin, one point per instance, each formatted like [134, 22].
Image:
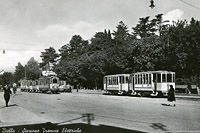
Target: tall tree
[121, 35]
[19, 72]
[143, 28]
[49, 56]
[6, 79]
[76, 47]
[32, 69]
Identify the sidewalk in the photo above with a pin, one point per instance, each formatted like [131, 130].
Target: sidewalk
[15, 115]
[188, 96]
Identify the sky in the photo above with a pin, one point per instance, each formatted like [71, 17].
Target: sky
[28, 27]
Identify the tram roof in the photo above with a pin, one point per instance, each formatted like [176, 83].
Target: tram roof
[117, 75]
[160, 71]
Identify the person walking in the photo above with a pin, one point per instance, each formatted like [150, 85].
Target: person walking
[171, 96]
[7, 93]
[14, 88]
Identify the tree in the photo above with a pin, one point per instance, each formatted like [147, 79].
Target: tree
[69, 65]
[121, 35]
[49, 56]
[19, 72]
[6, 79]
[76, 47]
[32, 69]
[143, 28]
[100, 42]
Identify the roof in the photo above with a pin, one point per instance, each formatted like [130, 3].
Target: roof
[48, 73]
[1, 72]
[160, 71]
[117, 75]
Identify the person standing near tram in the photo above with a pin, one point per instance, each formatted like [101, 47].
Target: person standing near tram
[171, 96]
[7, 93]
[14, 88]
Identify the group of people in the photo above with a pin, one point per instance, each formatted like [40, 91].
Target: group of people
[7, 92]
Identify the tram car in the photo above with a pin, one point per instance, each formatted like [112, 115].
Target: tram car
[150, 83]
[64, 87]
[23, 84]
[154, 83]
[117, 84]
[48, 84]
[26, 85]
[35, 87]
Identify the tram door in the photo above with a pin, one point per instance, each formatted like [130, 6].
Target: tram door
[155, 78]
[156, 81]
[121, 80]
[133, 81]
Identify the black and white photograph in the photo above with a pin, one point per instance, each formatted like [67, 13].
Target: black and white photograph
[99, 66]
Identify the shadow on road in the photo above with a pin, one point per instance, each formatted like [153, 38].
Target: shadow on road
[69, 128]
[9, 106]
[158, 126]
[164, 104]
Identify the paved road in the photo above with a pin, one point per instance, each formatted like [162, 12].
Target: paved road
[118, 112]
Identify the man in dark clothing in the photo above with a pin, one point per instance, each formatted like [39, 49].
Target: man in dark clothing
[7, 93]
[171, 96]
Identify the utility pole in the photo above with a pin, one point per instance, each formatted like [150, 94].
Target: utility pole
[25, 72]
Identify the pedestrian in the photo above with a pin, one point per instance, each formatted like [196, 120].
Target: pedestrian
[189, 88]
[7, 93]
[171, 96]
[14, 88]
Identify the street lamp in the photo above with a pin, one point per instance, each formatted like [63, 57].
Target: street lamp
[152, 4]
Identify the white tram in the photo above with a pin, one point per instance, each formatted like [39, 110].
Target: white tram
[49, 84]
[152, 83]
[117, 84]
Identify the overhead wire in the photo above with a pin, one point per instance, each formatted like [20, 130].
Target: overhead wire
[190, 4]
[4, 47]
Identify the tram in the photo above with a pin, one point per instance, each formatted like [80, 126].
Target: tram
[150, 83]
[49, 84]
[45, 84]
[155, 83]
[117, 84]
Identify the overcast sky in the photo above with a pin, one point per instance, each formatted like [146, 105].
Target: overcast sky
[27, 27]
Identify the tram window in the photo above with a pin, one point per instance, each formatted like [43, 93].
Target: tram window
[169, 78]
[140, 79]
[146, 78]
[115, 80]
[154, 77]
[136, 79]
[159, 78]
[47, 81]
[164, 78]
[173, 78]
[121, 79]
[126, 79]
[149, 78]
[143, 78]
